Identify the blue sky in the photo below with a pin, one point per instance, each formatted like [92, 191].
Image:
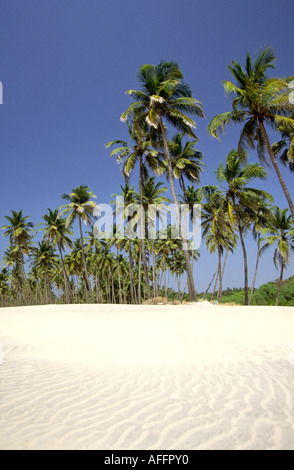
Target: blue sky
[65, 66]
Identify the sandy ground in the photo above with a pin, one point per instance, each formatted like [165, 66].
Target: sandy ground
[188, 377]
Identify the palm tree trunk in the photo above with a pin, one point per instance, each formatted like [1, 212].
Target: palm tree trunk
[224, 263]
[68, 295]
[245, 265]
[153, 271]
[182, 296]
[112, 287]
[215, 284]
[24, 274]
[280, 285]
[119, 281]
[84, 262]
[210, 283]
[139, 278]
[277, 169]
[142, 231]
[165, 287]
[131, 273]
[256, 269]
[220, 289]
[244, 254]
[190, 279]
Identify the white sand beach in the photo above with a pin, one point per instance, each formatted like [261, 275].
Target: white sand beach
[196, 376]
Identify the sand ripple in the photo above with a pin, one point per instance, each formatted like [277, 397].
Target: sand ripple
[245, 402]
[52, 405]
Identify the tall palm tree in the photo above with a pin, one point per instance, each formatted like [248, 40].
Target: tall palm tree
[74, 263]
[130, 197]
[258, 100]
[284, 148]
[167, 246]
[242, 201]
[80, 207]
[153, 196]
[193, 197]
[186, 161]
[11, 260]
[165, 96]
[281, 233]
[20, 233]
[140, 151]
[260, 219]
[217, 227]
[58, 233]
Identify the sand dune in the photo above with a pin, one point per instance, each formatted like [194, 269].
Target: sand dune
[147, 377]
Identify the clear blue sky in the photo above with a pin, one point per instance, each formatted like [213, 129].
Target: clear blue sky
[65, 66]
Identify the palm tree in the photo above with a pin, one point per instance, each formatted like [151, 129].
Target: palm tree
[58, 233]
[20, 233]
[139, 151]
[258, 100]
[74, 263]
[284, 148]
[281, 233]
[44, 259]
[217, 227]
[4, 286]
[153, 196]
[165, 96]
[106, 263]
[94, 245]
[186, 161]
[260, 218]
[178, 267]
[167, 246]
[11, 260]
[129, 197]
[80, 206]
[242, 201]
[193, 198]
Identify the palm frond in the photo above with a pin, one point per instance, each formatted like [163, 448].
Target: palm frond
[218, 123]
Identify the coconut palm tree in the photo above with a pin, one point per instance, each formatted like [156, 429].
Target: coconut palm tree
[94, 246]
[193, 197]
[260, 219]
[4, 287]
[186, 161]
[281, 233]
[284, 148]
[74, 264]
[11, 260]
[80, 207]
[20, 233]
[58, 233]
[217, 227]
[258, 100]
[129, 198]
[167, 246]
[139, 151]
[153, 196]
[164, 96]
[242, 201]
[43, 259]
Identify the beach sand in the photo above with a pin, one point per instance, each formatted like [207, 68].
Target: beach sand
[183, 377]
